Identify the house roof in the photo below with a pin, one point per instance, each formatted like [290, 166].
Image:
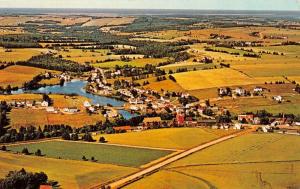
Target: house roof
[122, 128]
[45, 187]
[151, 119]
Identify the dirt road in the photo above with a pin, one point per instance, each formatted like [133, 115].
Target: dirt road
[156, 167]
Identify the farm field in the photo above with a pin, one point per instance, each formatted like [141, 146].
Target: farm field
[166, 85]
[137, 62]
[59, 101]
[18, 75]
[188, 65]
[19, 54]
[69, 173]
[22, 19]
[126, 156]
[269, 70]
[212, 78]
[110, 21]
[245, 162]
[27, 117]
[174, 138]
[16, 30]
[243, 105]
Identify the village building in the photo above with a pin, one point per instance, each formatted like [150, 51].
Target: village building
[180, 119]
[45, 104]
[51, 109]
[123, 129]
[246, 117]
[71, 110]
[86, 104]
[240, 91]
[258, 89]
[278, 98]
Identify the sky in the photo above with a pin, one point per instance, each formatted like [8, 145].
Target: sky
[157, 4]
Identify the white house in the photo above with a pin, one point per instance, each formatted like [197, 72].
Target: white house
[50, 109]
[86, 104]
[278, 98]
[237, 126]
[134, 108]
[71, 110]
[240, 91]
[258, 89]
[44, 104]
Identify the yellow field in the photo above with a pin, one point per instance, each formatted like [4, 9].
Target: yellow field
[69, 174]
[62, 20]
[272, 79]
[211, 78]
[52, 81]
[166, 85]
[109, 21]
[59, 101]
[27, 117]
[19, 54]
[8, 31]
[294, 78]
[13, 21]
[80, 56]
[269, 70]
[18, 75]
[252, 161]
[174, 138]
[137, 62]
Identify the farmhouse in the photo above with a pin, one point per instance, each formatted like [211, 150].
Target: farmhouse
[50, 109]
[240, 91]
[246, 117]
[258, 89]
[44, 104]
[71, 110]
[278, 98]
[86, 104]
[123, 129]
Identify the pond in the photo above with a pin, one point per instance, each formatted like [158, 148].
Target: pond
[77, 87]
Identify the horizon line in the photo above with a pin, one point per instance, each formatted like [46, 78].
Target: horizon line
[150, 9]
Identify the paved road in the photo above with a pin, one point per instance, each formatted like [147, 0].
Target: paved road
[156, 167]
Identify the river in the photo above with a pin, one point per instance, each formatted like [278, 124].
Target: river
[77, 87]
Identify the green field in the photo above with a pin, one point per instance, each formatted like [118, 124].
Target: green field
[125, 156]
[251, 161]
[254, 104]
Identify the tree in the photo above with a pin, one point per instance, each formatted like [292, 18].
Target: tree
[102, 140]
[25, 151]
[93, 159]
[38, 153]
[3, 148]
[74, 137]
[66, 136]
[87, 137]
[24, 180]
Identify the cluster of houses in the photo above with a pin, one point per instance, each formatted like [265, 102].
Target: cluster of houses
[239, 92]
[98, 84]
